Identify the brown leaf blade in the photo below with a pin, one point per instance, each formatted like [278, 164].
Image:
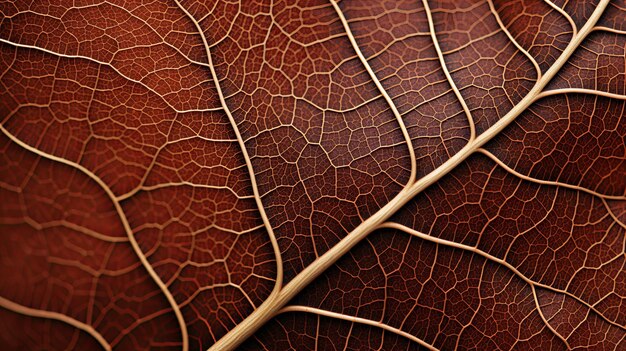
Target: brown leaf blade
[369, 174]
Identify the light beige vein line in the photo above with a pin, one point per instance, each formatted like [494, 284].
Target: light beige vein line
[123, 219]
[545, 320]
[564, 14]
[32, 312]
[610, 30]
[613, 215]
[244, 150]
[75, 227]
[508, 34]
[547, 182]
[359, 320]
[263, 314]
[430, 238]
[444, 67]
[547, 93]
[380, 87]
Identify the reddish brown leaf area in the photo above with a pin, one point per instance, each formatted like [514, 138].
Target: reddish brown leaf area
[57, 336]
[317, 174]
[119, 92]
[60, 258]
[326, 149]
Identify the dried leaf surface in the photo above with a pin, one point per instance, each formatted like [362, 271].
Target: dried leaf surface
[313, 175]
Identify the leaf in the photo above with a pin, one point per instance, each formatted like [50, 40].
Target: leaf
[391, 175]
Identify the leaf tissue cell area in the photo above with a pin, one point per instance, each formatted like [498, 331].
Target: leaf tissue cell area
[313, 175]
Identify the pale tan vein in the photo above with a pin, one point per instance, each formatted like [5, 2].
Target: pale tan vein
[610, 30]
[613, 215]
[89, 270]
[136, 323]
[478, 290]
[564, 14]
[37, 313]
[358, 320]
[552, 92]
[545, 320]
[264, 313]
[513, 269]
[186, 183]
[187, 58]
[244, 151]
[317, 105]
[66, 224]
[492, 8]
[382, 90]
[130, 14]
[141, 186]
[131, 237]
[317, 332]
[444, 67]
[548, 182]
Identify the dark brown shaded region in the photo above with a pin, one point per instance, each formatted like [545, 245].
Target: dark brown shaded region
[490, 72]
[618, 208]
[562, 238]
[598, 64]
[449, 298]
[537, 27]
[575, 139]
[300, 331]
[578, 10]
[214, 255]
[105, 82]
[123, 91]
[614, 16]
[84, 112]
[116, 32]
[395, 38]
[583, 329]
